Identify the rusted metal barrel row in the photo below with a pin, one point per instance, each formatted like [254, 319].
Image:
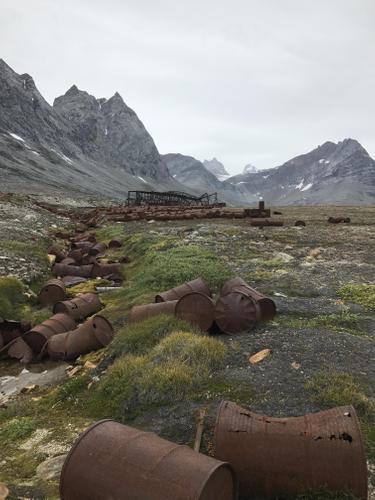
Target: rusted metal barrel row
[267, 306]
[37, 337]
[101, 270]
[197, 309]
[95, 333]
[80, 307]
[63, 270]
[197, 285]
[97, 249]
[111, 460]
[83, 245]
[76, 254]
[57, 252]
[84, 237]
[140, 313]
[282, 457]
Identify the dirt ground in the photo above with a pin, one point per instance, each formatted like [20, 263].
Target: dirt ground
[324, 328]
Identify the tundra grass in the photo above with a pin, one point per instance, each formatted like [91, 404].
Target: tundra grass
[362, 294]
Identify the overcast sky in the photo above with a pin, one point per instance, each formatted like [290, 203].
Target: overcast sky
[247, 81]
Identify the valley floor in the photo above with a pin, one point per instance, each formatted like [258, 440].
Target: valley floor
[322, 340]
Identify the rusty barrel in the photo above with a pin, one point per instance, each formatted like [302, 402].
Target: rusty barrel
[57, 252]
[85, 237]
[278, 457]
[77, 255]
[236, 312]
[80, 307]
[97, 249]
[101, 270]
[197, 285]
[37, 337]
[196, 308]
[267, 306]
[63, 270]
[53, 291]
[266, 222]
[10, 330]
[83, 245]
[68, 261]
[111, 460]
[300, 223]
[95, 333]
[339, 220]
[139, 313]
[115, 243]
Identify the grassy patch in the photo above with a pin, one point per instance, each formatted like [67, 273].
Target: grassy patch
[12, 298]
[333, 388]
[16, 429]
[175, 369]
[344, 321]
[361, 294]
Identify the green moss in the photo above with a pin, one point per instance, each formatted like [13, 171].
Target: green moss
[12, 298]
[16, 429]
[138, 338]
[344, 321]
[361, 294]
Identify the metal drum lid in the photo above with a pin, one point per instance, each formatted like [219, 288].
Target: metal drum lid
[196, 308]
[236, 313]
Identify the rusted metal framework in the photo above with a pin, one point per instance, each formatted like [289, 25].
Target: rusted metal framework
[169, 198]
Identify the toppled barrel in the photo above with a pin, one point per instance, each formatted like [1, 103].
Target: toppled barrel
[267, 306]
[83, 245]
[140, 313]
[115, 243]
[97, 249]
[339, 220]
[80, 307]
[37, 337]
[18, 349]
[197, 285]
[101, 270]
[196, 308]
[236, 312]
[278, 457]
[63, 270]
[10, 330]
[95, 333]
[53, 291]
[57, 252]
[111, 460]
[266, 222]
[300, 223]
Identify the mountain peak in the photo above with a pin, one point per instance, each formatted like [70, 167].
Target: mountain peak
[249, 169]
[74, 90]
[215, 167]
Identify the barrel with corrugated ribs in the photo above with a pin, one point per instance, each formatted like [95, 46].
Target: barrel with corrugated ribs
[197, 285]
[140, 313]
[63, 270]
[80, 307]
[267, 305]
[111, 460]
[95, 333]
[37, 337]
[53, 291]
[282, 457]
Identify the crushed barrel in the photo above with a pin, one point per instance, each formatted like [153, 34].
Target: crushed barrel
[95, 333]
[111, 460]
[267, 306]
[63, 270]
[80, 307]
[53, 291]
[139, 313]
[37, 337]
[197, 285]
[196, 308]
[282, 457]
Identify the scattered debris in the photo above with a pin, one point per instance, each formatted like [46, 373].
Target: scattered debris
[259, 356]
[339, 220]
[300, 223]
[200, 426]
[295, 365]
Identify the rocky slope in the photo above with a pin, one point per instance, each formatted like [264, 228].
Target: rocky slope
[341, 173]
[217, 168]
[95, 147]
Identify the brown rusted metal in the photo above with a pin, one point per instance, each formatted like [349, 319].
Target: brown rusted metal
[101, 270]
[300, 223]
[115, 243]
[85, 237]
[95, 333]
[53, 291]
[57, 252]
[77, 255]
[139, 313]
[83, 245]
[63, 270]
[267, 306]
[37, 337]
[236, 312]
[10, 330]
[98, 248]
[282, 457]
[80, 307]
[197, 285]
[68, 261]
[114, 461]
[88, 259]
[266, 222]
[72, 280]
[18, 349]
[339, 220]
[196, 308]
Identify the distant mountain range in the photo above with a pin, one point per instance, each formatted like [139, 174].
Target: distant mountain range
[99, 147]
